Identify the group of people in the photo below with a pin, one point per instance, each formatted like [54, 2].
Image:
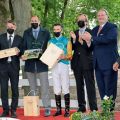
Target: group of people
[92, 50]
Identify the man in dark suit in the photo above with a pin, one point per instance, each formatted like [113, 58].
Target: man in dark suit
[82, 66]
[37, 37]
[105, 54]
[9, 69]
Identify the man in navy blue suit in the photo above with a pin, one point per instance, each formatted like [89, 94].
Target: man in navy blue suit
[105, 54]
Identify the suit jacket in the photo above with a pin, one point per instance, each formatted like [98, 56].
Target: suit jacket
[118, 60]
[17, 42]
[82, 56]
[105, 46]
[33, 65]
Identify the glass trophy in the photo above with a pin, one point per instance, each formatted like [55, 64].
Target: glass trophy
[35, 51]
[32, 53]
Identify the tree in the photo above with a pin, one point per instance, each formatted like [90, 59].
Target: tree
[18, 10]
[65, 11]
[4, 14]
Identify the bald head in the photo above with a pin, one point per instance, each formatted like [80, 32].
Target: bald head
[35, 22]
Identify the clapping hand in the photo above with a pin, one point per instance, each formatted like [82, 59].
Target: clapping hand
[73, 36]
[62, 56]
[86, 36]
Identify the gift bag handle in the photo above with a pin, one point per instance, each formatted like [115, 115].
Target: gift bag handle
[31, 91]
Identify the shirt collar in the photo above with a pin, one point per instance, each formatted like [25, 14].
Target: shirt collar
[103, 24]
[58, 37]
[12, 35]
[37, 29]
[82, 29]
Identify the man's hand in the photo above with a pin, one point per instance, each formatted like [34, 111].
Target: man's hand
[62, 56]
[115, 66]
[23, 57]
[80, 39]
[17, 51]
[73, 36]
[87, 37]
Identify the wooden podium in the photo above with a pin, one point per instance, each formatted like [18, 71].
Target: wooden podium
[51, 55]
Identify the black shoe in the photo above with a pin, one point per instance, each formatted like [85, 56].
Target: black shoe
[5, 114]
[58, 113]
[83, 110]
[67, 114]
[13, 114]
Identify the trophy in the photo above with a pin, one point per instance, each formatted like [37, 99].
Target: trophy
[32, 53]
[35, 51]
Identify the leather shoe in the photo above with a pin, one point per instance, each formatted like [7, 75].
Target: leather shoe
[5, 114]
[67, 114]
[57, 113]
[83, 110]
[13, 114]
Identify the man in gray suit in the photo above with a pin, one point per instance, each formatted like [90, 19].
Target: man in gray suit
[37, 37]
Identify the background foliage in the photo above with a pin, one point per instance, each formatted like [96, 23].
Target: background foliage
[65, 11]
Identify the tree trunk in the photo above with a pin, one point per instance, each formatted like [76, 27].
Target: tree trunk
[21, 13]
[18, 10]
[4, 14]
[45, 13]
[63, 10]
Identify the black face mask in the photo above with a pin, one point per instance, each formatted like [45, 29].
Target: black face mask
[34, 25]
[57, 34]
[10, 31]
[81, 24]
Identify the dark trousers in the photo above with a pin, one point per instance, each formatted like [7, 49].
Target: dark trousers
[88, 76]
[13, 76]
[107, 82]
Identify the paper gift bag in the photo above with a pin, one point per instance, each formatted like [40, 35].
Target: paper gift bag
[51, 55]
[31, 106]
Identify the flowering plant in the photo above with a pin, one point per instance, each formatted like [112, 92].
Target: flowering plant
[106, 113]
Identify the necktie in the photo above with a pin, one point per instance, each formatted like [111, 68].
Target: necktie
[35, 35]
[9, 41]
[100, 28]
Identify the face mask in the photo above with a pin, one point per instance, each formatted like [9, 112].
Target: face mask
[57, 34]
[10, 31]
[81, 24]
[34, 25]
